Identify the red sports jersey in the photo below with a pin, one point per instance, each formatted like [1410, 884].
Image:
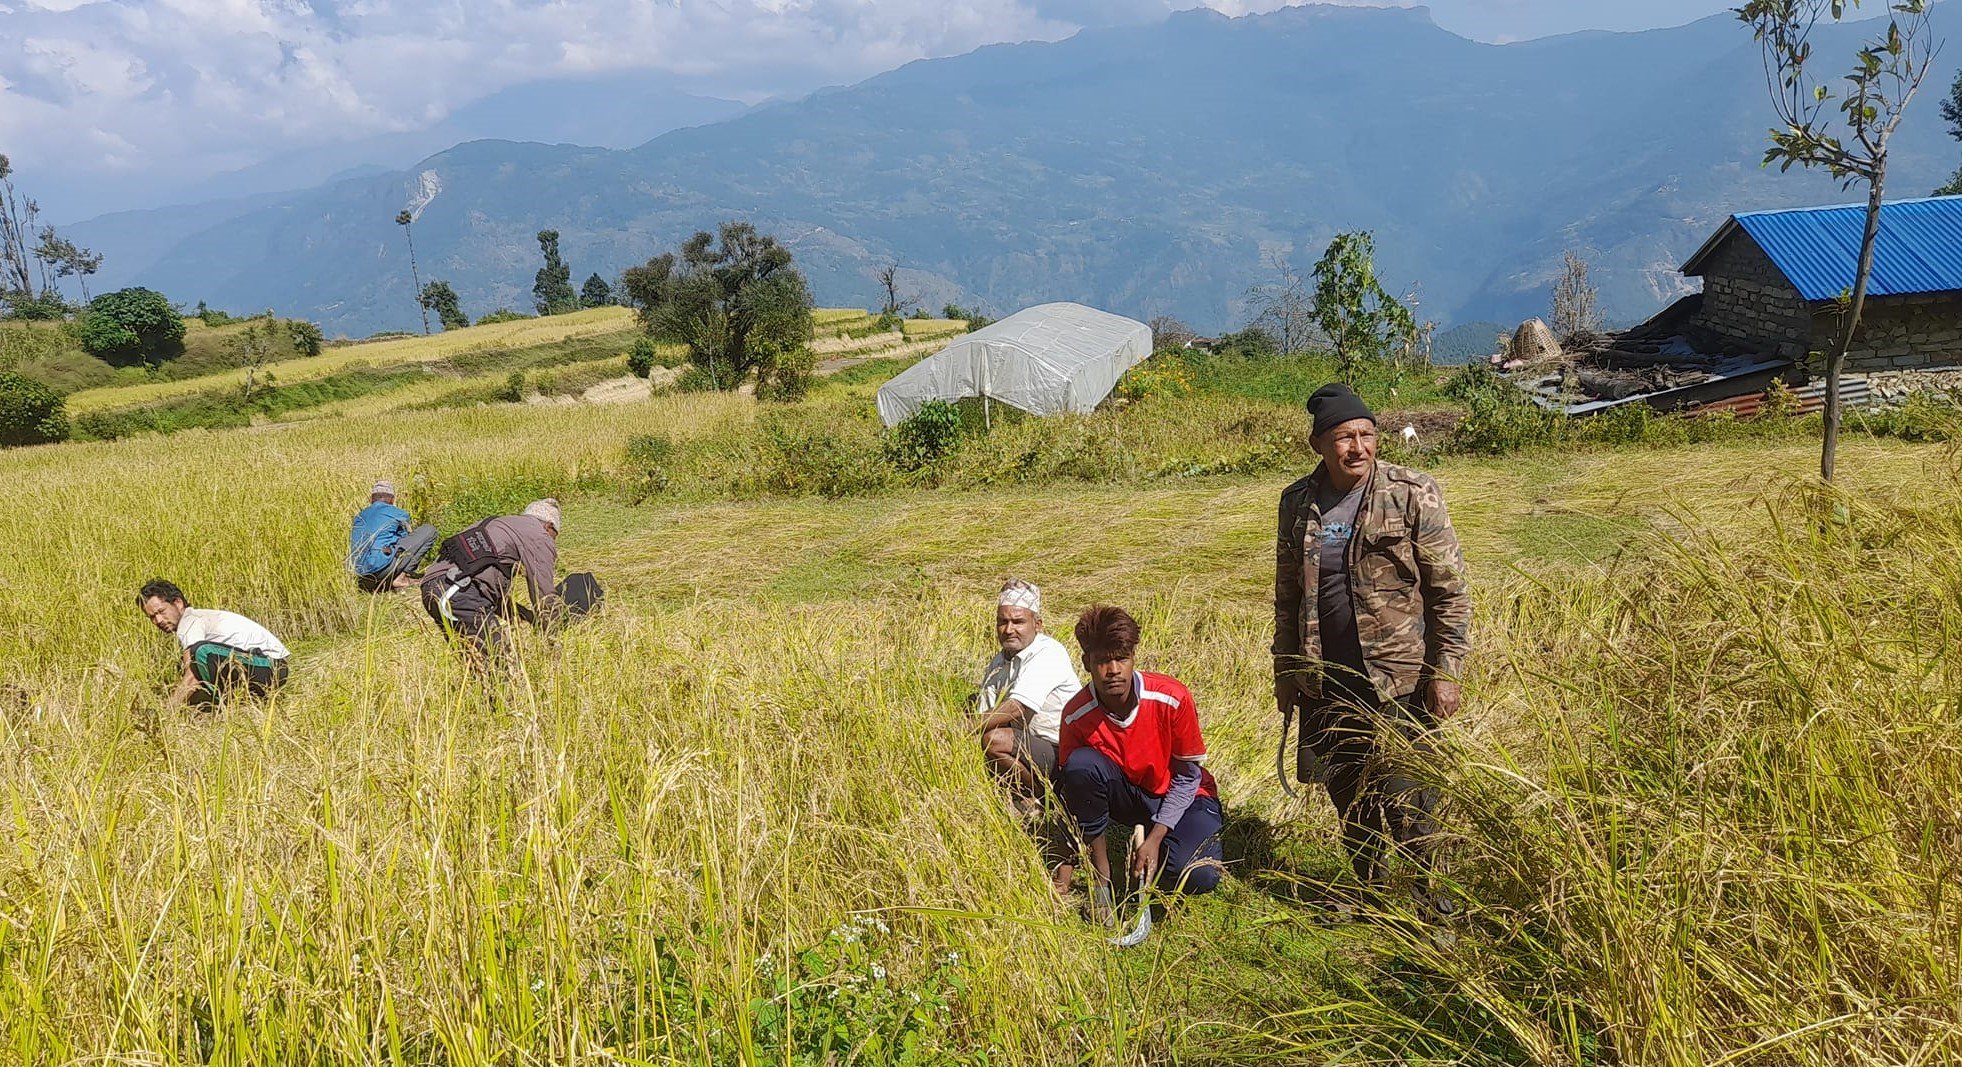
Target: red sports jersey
[1163, 726]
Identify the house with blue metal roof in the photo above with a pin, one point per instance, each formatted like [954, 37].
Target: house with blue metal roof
[1772, 281]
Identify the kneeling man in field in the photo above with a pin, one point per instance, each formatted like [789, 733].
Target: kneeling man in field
[1131, 754]
[385, 551]
[223, 651]
[1023, 690]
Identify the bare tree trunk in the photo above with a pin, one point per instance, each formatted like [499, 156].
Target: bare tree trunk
[1836, 362]
[415, 277]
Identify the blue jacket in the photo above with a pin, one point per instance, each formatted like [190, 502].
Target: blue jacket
[378, 526]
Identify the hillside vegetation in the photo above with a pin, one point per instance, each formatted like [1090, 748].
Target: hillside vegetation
[559, 357]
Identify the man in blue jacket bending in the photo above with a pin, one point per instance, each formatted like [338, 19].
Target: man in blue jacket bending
[385, 551]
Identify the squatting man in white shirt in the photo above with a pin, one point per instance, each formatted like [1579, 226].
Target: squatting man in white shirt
[1023, 690]
[223, 651]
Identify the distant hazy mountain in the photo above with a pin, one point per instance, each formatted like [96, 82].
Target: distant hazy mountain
[1148, 170]
[611, 111]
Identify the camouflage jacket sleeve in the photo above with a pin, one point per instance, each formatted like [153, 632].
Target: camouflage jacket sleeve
[1446, 592]
[1287, 586]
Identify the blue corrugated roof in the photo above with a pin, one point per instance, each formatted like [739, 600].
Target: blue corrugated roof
[1919, 249]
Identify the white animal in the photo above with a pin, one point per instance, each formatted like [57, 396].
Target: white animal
[1409, 435]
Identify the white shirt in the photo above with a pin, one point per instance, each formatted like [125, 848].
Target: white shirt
[228, 628]
[1041, 678]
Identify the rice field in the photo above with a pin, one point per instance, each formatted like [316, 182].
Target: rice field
[1703, 791]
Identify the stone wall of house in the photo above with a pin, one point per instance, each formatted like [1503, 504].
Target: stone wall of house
[1899, 333]
[1747, 302]
[1892, 388]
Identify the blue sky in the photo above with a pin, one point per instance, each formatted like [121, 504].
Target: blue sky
[117, 93]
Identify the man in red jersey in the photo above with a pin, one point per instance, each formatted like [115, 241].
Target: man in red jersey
[1130, 752]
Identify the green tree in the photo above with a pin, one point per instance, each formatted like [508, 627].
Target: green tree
[595, 293]
[1952, 111]
[67, 259]
[551, 287]
[739, 307]
[407, 220]
[1360, 318]
[437, 296]
[131, 326]
[1843, 126]
[30, 413]
[252, 348]
[306, 337]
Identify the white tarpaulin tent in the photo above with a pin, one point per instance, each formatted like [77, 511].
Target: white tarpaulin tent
[1044, 359]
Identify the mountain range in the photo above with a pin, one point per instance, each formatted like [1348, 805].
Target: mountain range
[1155, 169]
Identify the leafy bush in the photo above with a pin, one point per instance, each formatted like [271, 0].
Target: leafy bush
[514, 389]
[839, 1003]
[788, 379]
[1162, 376]
[642, 357]
[131, 326]
[805, 457]
[307, 338]
[30, 413]
[211, 316]
[696, 378]
[920, 441]
[886, 322]
[502, 315]
[47, 306]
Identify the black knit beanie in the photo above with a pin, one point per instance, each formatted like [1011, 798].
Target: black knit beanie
[1334, 404]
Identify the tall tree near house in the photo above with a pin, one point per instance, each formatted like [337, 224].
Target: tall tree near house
[551, 287]
[1361, 319]
[407, 220]
[1843, 126]
[1574, 315]
[1952, 111]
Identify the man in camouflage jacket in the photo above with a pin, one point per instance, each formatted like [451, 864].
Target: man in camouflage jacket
[1372, 619]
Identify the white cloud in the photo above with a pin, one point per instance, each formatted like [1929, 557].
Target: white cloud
[188, 87]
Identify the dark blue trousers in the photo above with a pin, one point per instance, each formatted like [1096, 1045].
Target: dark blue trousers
[1097, 794]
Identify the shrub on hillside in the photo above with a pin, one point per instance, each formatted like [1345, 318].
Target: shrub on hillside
[502, 315]
[46, 306]
[30, 413]
[131, 326]
[931, 433]
[788, 379]
[642, 357]
[803, 456]
[1164, 375]
[307, 338]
